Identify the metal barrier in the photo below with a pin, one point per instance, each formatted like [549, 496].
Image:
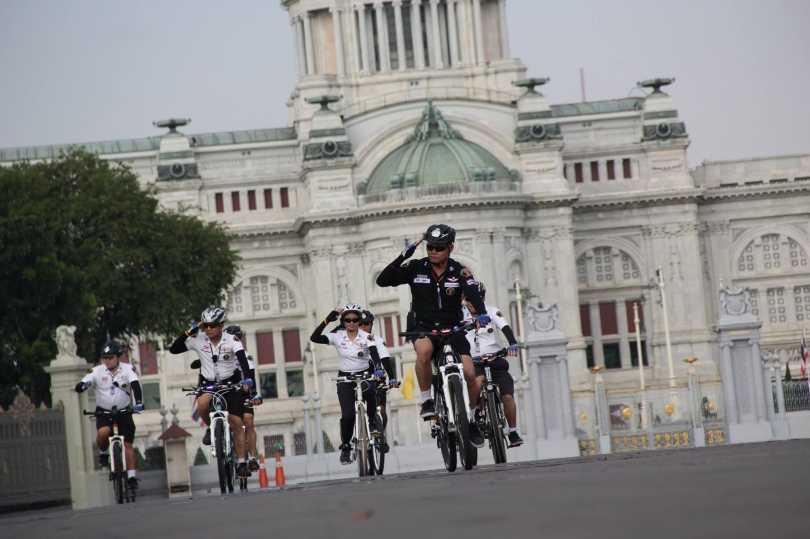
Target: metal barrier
[797, 395]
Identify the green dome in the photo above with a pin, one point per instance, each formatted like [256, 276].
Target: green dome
[435, 154]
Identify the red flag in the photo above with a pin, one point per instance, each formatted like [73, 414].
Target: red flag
[803, 353]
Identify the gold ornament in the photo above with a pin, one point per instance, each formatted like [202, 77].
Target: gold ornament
[669, 408]
[627, 412]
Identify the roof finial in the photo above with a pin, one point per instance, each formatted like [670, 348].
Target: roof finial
[656, 84]
[172, 123]
[323, 100]
[529, 84]
[433, 124]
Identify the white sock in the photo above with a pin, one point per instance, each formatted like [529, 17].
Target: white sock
[104, 452]
[425, 395]
[130, 473]
[241, 461]
[512, 429]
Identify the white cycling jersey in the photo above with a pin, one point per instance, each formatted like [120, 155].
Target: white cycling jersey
[381, 348]
[354, 354]
[113, 388]
[217, 362]
[485, 340]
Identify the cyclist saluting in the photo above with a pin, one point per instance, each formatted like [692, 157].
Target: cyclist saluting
[114, 382]
[437, 283]
[222, 361]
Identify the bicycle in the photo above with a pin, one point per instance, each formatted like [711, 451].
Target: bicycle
[494, 425]
[118, 455]
[380, 444]
[451, 427]
[222, 445]
[365, 445]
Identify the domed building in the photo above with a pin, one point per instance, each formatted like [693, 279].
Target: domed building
[409, 113]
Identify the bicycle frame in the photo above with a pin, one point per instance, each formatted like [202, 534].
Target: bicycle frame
[359, 405]
[447, 371]
[489, 384]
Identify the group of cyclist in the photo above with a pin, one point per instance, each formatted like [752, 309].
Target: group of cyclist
[444, 295]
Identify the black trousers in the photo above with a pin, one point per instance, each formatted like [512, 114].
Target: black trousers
[345, 393]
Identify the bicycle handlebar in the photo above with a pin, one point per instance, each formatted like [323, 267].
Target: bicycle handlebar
[364, 377]
[488, 358]
[97, 413]
[211, 388]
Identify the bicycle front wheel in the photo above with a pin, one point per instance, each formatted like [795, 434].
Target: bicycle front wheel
[361, 449]
[378, 454]
[445, 439]
[465, 448]
[223, 466]
[119, 474]
[495, 420]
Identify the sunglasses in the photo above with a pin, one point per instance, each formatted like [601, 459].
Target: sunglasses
[351, 320]
[437, 248]
[209, 326]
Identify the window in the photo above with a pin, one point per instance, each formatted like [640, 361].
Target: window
[300, 443]
[285, 197]
[776, 306]
[265, 352]
[585, 320]
[626, 169]
[594, 171]
[219, 202]
[260, 293]
[292, 346]
[613, 356]
[295, 383]
[269, 385]
[801, 300]
[589, 356]
[274, 443]
[148, 356]
[634, 353]
[268, 199]
[389, 330]
[611, 169]
[251, 199]
[631, 319]
[607, 316]
[151, 395]
[578, 172]
[235, 201]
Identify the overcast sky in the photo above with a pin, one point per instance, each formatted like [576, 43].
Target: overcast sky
[91, 70]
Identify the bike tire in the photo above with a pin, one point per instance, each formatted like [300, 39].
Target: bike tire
[118, 476]
[446, 440]
[465, 448]
[378, 458]
[362, 452]
[495, 421]
[231, 466]
[222, 459]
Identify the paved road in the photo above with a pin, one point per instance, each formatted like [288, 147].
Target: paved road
[759, 490]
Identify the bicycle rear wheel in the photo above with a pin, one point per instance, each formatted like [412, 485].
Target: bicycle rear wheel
[222, 459]
[465, 448]
[495, 421]
[378, 456]
[445, 439]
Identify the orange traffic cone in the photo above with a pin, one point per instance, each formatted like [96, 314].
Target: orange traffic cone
[263, 482]
[280, 481]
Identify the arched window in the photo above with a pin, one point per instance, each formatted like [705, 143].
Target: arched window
[606, 266]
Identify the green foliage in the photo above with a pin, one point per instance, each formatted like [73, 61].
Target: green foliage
[199, 457]
[140, 462]
[85, 244]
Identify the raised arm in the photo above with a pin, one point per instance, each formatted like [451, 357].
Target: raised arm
[317, 334]
[396, 273]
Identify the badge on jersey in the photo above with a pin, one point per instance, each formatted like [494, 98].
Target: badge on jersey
[421, 279]
[450, 291]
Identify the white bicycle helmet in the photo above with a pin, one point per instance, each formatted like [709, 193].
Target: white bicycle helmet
[213, 315]
[352, 308]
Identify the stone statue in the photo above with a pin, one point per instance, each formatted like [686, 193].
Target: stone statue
[543, 319]
[735, 301]
[65, 341]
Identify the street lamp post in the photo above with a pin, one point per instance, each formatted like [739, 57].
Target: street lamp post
[519, 298]
[639, 353]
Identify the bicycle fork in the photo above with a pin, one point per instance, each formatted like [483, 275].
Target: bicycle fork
[457, 372]
[221, 415]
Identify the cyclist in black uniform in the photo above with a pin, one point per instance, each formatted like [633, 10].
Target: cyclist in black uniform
[437, 284]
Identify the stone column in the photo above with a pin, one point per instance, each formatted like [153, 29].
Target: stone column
[453, 33]
[624, 341]
[302, 45]
[602, 415]
[308, 40]
[338, 31]
[729, 391]
[88, 488]
[478, 31]
[537, 399]
[361, 16]
[466, 50]
[763, 393]
[307, 430]
[416, 34]
[382, 42]
[505, 54]
[438, 62]
[401, 55]
[299, 54]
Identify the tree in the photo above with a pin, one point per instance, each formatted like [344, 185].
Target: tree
[85, 244]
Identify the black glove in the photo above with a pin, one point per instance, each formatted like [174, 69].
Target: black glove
[191, 331]
[81, 387]
[410, 249]
[236, 331]
[331, 317]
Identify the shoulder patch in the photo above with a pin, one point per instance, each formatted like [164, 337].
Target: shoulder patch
[466, 273]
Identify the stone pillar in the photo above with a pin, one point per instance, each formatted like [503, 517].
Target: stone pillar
[382, 42]
[361, 15]
[338, 31]
[551, 404]
[88, 488]
[479, 32]
[438, 62]
[308, 42]
[602, 415]
[401, 54]
[453, 32]
[416, 34]
[466, 48]
[302, 45]
[698, 433]
[505, 54]
[774, 367]
[299, 54]
[741, 374]
[307, 431]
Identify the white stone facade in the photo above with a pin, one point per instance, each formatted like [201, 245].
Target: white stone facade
[602, 198]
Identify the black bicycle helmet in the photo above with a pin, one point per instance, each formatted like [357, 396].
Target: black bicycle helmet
[236, 331]
[111, 348]
[439, 235]
[366, 317]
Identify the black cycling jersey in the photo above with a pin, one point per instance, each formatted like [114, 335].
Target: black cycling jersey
[435, 301]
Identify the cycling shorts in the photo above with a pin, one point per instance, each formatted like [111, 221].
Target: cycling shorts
[126, 425]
